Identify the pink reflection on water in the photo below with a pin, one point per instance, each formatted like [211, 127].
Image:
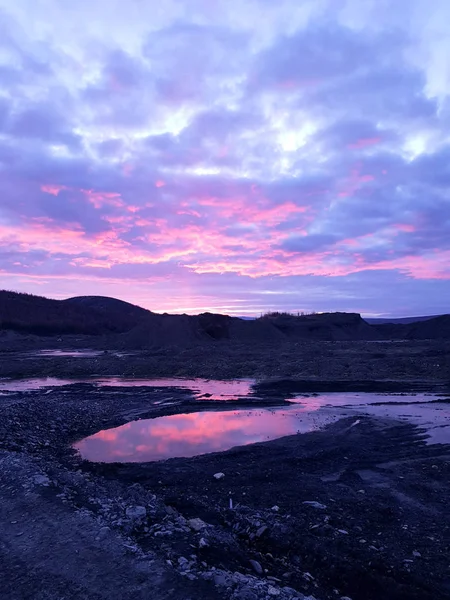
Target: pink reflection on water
[231, 389]
[214, 389]
[196, 433]
[26, 385]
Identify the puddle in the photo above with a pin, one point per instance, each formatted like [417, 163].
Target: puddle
[69, 353]
[202, 389]
[187, 435]
[28, 385]
[85, 353]
[207, 389]
[420, 409]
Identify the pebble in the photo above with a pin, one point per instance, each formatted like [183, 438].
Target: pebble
[257, 567]
[416, 554]
[275, 508]
[219, 476]
[196, 524]
[314, 504]
[261, 531]
[41, 480]
[220, 580]
[273, 591]
[136, 513]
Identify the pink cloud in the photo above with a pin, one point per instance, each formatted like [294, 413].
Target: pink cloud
[53, 189]
[364, 143]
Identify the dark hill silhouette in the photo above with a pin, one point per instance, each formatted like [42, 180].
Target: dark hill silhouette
[324, 326]
[400, 320]
[437, 328]
[88, 315]
[133, 327]
[116, 315]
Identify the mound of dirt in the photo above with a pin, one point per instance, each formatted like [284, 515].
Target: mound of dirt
[325, 326]
[437, 328]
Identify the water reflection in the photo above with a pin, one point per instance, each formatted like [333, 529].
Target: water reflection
[85, 353]
[196, 433]
[69, 353]
[209, 389]
[27, 385]
[201, 388]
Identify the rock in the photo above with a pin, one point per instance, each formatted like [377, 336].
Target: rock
[220, 580]
[196, 524]
[257, 567]
[273, 591]
[314, 504]
[342, 531]
[245, 593]
[416, 554]
[183, 563]
[275, 508]
[41, 480]
[136, 513]
[203, 543]
[219, 476]
[292, 592]
[261, 531]
[102, 533]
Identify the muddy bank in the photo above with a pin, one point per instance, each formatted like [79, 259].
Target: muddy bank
[358, 510]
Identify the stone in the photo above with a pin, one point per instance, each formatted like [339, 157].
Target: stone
[219, 476]
[41, 480]
[257, 567]
[196, 524]
[136, 513]
[416, 554]
[273, 591]
[292, 592]
[261, 531]
[203, 543]
[220, 580]
[246, 593]
[314, 504]
[275, 508]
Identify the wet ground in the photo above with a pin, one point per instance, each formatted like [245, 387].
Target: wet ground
[358, 509]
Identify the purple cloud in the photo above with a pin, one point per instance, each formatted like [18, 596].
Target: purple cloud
[225, 160]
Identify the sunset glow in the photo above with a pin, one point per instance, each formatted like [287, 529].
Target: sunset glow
[189, 160]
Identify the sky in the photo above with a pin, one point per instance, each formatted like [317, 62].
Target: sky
[234, 156]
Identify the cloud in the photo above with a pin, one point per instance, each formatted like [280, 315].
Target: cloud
[244, 158]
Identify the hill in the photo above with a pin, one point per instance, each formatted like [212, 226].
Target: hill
[323, 326]
[437, 328]
[133, 327]
[400, 320]
[89, 315]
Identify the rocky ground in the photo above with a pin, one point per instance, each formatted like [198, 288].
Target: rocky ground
[357, 511]
[356, 360]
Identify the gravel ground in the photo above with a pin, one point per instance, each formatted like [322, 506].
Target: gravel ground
[354, 511]
[427, 360]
